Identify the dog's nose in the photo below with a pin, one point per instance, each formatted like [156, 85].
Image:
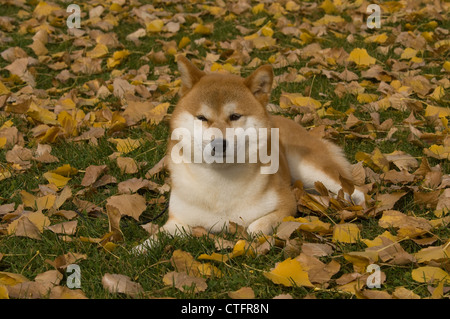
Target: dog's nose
[219, 145]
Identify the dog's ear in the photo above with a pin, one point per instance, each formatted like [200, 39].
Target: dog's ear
[260, 83]
[190, 74]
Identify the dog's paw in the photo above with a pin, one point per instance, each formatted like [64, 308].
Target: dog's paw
[357, 197]
[144, 248]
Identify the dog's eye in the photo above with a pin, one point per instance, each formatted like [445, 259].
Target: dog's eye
[235, 117]
[202, 118]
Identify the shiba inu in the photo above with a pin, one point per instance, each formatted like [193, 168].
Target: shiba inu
[210, 185]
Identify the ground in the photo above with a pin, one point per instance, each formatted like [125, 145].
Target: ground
[84, 116]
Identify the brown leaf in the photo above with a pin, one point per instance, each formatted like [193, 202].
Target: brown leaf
[61, 262]
[317, 250]
[242, 293]
[127, 165]
[116, 283]
[130, 205]
[184, 282]
[63, 292]
[157, 168]
[65, 228]
[92, 173]
[134, 184]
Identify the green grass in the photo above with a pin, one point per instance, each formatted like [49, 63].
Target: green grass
[29, 257]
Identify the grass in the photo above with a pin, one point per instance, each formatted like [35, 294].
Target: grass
[29, 257]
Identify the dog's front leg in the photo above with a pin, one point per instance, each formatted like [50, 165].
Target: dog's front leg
[267, 223]
[172, 227]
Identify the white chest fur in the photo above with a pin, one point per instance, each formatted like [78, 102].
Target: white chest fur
[211, 196]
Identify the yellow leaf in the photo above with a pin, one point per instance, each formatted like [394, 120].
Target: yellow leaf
[50, 135]
[439, 151]
[367, 98]
[439, 253]
[43, 9]
[183, 42]
[429, 274]
[99, 51]
[3, 292]
[2, 142]
[362, 259]
[56, 179]
[115, 7]
[292, 6]
[433, 110]
[327, 19]
[438, 94]
[361, 57]
[258, 8]
[377, 38]
[328, 6]
[11, 279]
[311, 224]
[202, 29]
[65, 170]
[214, 256]
[42, 115]
[377, 241]
[117, 58]
[156, 114]
[242, 247]
[441, 43]
[446, 66]
[438, 292]
[266, 30]
[3, 89]
[303, 101]
[408, 53]
[183, 261]
[215, 10]
[126, 145]
[346, 233]
[155, 25]
[289, 273]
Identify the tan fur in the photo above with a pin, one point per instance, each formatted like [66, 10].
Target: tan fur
[211, 195]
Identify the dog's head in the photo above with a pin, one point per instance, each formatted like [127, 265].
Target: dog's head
[219, 104]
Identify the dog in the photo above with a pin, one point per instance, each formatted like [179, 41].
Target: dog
[210, 187]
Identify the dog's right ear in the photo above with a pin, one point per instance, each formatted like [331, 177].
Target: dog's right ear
[190, 74]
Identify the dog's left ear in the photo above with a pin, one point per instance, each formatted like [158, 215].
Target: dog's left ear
[190, 74]
[260, 83]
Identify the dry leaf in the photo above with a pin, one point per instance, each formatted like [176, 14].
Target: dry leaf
[184, 282]
[242, 293]
[116, 283]
[289, 273]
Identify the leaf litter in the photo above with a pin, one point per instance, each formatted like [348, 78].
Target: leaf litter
[395, 80]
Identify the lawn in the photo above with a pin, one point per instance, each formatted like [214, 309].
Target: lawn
[84, 125]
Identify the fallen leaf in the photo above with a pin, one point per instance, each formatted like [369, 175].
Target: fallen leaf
[430, 274]
[361, 57]
[346, 233]
[184, 262]
[242, 293]
[184, 282]
[92, 174]
[116, 283]
[289, 273]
